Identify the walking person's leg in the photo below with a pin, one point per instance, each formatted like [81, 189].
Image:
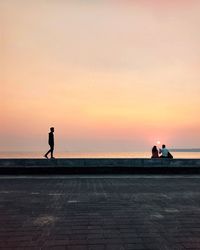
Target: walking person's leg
[46, 155]
[51, 150]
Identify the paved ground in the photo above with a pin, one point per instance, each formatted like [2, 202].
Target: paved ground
[100, 213]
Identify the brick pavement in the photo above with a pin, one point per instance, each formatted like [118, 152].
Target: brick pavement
[100, 213]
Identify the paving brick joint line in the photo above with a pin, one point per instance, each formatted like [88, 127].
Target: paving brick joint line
[97, 213]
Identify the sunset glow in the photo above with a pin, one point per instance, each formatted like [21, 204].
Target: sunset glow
[108, 75]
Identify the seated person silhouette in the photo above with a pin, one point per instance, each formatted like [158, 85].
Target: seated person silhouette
[154, 152]
[164, 152]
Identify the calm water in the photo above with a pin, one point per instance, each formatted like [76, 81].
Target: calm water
[95, 155]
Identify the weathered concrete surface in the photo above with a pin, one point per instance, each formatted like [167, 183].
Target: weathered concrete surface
[101, 162]
[86, 166]
[99, 213]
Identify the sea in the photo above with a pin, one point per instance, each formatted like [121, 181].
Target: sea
[176, 155]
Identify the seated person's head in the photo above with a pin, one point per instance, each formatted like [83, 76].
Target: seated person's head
[154, 149]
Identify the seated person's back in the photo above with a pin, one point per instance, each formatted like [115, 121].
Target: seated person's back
[164, 151]
[154, 152]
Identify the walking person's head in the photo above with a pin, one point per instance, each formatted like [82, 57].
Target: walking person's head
[52, 129]
[163, 146]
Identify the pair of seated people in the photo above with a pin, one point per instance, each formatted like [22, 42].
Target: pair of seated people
[161, 153]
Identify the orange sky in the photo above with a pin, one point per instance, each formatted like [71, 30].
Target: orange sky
[109, 75]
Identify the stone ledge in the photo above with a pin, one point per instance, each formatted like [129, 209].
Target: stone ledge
[100, 162]
[99, 166]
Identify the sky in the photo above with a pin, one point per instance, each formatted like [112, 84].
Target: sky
[108, 75]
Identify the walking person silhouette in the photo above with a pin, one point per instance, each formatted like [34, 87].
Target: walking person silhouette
[51, 143]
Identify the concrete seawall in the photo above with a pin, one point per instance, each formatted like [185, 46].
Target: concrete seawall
[99, 166]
